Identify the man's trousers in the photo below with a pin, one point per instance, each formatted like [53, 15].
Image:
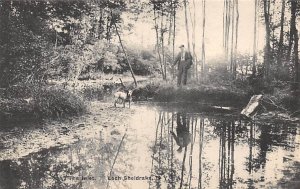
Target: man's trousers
[182, 73]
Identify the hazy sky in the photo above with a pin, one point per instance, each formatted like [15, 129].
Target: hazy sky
[144, 34]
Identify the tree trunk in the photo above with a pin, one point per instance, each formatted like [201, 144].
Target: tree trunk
[296, 62]
[291, 38]
[162, 32]
[228, 8]
[203, 39]
[294, 31]
[100, 29]
[108, 20]
[174, 34]
[267, 56]
[186, 25]
[227, 13]
[232, 40]
[272, 27]
[225, 27]
[170, 24]
[193, 21]
[280, 45]
[127, 60]
[157, 42]
[224, 8]
[254, 40]
[194, 41]
[236, 36]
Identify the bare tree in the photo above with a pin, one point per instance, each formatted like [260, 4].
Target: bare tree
[157, 40]
[236, 36]
[232, 39]
[291, 39]
[174, 29]
[194, 41]
[228, 19]
[227, 26]
[170, 17]
[186, 24]
[193, 21]
[294, 32]
[267, 56]
[162, 32]
[174, 35]
[224, 20]
[126, 57]
[255, 39]
[203, 38]
[280, 45]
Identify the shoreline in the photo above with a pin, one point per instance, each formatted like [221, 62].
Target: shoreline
[101, 117]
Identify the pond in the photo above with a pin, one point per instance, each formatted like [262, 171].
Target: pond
[167, 146]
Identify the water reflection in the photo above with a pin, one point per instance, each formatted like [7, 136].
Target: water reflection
[183, 137]
[221, 153]
[176, 148]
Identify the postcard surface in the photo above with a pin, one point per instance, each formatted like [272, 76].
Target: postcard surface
[134, 94]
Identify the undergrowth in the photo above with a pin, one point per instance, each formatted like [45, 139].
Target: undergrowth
[37, 101]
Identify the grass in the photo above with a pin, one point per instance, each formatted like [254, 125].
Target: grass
[213, 93]
[222, 93]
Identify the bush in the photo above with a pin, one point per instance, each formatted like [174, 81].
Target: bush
[18, 91]
[94, 92]
[142, 67]
[286, 99]
[15, 110]
[143, 61]
[39, 102]
[57, 102]
[147, 55]
[145, 92]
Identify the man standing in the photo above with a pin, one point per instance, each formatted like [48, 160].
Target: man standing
[184, 60]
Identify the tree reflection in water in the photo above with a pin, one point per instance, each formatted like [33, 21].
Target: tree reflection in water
[184, 150]
[183, 168]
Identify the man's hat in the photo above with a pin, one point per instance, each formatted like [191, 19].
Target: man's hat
[181, 46]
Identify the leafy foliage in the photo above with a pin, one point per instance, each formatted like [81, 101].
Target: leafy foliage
[57, 102]
[36, 36]
[38, 102]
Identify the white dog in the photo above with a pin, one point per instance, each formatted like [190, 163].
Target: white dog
[123, 96]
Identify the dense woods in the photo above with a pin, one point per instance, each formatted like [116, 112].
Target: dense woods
[42, 39]
[39, 35]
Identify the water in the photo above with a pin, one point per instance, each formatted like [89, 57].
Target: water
[204, 151]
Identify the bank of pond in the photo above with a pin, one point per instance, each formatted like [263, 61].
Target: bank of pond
[38, 102]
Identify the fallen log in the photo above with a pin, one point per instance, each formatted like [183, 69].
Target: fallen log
[252, 106]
